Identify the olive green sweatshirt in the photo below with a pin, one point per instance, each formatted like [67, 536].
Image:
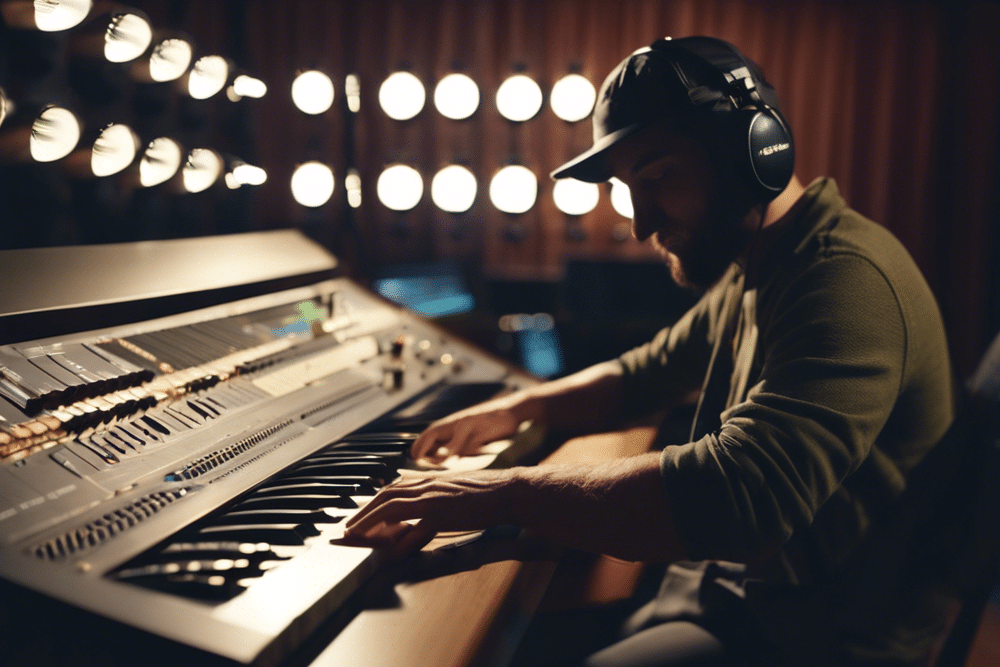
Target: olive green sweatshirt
[830, 383]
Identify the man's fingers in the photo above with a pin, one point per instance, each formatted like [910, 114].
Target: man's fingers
[393, 510]
[412, 540]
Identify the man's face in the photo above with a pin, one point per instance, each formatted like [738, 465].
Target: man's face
[678, 204]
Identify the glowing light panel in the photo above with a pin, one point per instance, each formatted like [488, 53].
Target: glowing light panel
[170, 59]
[401, 96]
[128, 36]
[248, 174]
[114, 149]
[400, 187]
[453, 189]
[575, 197]
[247, 86]
[312, 92]
[160, 161]
[56, 15]
[621, 199]
[352, 183]
[519, 98]
[352, 89]
[312, 184]
[54, 134]
[573, 97]
[514, 189]
[208, 76]
[456, 96]
[202, 168]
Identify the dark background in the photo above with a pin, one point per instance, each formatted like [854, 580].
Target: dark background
[898, 101]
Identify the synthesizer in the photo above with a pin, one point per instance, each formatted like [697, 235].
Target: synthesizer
[185, 426]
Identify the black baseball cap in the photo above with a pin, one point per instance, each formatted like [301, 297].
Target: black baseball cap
[667, 80]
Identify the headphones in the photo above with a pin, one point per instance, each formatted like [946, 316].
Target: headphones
[742, 103]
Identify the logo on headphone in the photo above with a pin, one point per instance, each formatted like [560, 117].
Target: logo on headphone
[771, 150]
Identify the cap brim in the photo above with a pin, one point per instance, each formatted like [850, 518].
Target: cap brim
[592, 165]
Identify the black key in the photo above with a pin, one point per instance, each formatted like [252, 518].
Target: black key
[367, 485]
[301, 501]
[240, 517]
[291, 488]
[214, 587]
[404, 436]
[374, 469]
[275, 533]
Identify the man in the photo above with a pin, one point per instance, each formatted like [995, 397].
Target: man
[824, 376]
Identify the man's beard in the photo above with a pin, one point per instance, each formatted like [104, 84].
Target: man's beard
[698, 261]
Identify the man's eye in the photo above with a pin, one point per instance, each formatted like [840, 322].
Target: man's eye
[656, 172]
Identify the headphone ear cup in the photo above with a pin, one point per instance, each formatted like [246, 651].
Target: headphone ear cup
[770, 152]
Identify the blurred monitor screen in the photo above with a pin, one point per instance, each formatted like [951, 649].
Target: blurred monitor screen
[431, 290]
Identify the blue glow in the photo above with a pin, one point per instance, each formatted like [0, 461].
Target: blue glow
[429, 291]
[540, 352]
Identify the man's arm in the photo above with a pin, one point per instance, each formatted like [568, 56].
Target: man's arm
[617, 508]
[587, 401]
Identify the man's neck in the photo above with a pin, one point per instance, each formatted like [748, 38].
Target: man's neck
[778, 212]
[782, 205]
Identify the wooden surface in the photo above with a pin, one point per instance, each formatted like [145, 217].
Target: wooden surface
[471, 605]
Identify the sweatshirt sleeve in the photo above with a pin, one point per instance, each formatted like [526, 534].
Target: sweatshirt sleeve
[664, 370]
[832, 351]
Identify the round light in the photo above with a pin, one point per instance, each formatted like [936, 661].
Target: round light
[312, 184]
[247, 86]
[202, 169]
[352, 183]
[573, 97]
[400, 187]
[160, 162]
[401, 96]
[114, 149]
[169, 59]
[514, 189]
[248, 174]
[54, 134]
[575, 197]
[208, 76]
[454, 189]
[127, 38]
[56, 15]
[621, 199]
[312, 92]
[519, 98]
[456, 96]
[3, 106]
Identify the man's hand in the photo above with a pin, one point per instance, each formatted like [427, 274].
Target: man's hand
[617, 508]
[464, 432]
[405, 515]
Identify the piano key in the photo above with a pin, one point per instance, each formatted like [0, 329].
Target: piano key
[333, 468]
[275, 533]
[367, 484]
[240, 549]
[250, 516]
[213, 587]
[282, 488]
[300, 501]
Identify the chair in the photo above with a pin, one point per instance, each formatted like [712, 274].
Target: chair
[978, 571]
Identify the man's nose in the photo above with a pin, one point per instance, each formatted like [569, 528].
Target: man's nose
[643, 225]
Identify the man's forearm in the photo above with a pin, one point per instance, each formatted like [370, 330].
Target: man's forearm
[617, 508]
[589, 400]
